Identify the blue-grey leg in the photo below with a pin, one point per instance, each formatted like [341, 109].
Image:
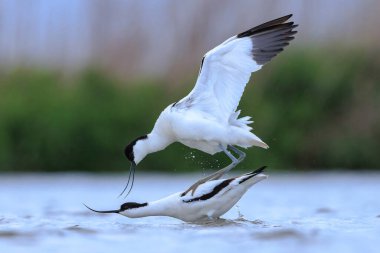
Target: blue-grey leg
[235, 161]
[240, 153]
[220, 173]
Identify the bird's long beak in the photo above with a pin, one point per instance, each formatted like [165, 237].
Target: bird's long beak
[107, 211]
[132, 170]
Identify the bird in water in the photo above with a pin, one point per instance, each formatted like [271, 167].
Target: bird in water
[210, 200]
[207, 119]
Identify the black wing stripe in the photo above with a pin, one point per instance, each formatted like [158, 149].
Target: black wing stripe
[211, 194]
[203, 59]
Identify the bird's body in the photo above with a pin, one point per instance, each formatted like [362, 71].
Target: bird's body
[207, 118]
[209, 201]
[197, 129]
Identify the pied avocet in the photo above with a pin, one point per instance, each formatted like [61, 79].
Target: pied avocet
[210, 200]
[207, 118]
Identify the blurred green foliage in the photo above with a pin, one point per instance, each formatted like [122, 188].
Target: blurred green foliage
[314, 109]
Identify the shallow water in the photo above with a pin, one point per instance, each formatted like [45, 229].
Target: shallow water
[285, 213]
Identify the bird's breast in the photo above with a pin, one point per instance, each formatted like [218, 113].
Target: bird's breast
[210, 147]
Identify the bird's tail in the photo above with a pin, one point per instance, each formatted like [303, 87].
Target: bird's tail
[248, 139]
[243, 122]
[256, 141]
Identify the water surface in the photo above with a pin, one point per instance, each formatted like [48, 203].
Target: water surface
[286, 213]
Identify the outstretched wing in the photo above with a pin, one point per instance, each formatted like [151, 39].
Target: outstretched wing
[226, 69]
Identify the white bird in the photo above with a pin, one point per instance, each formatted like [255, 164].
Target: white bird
[210, 200]
[207, 118]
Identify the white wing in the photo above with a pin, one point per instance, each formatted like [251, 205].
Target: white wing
[208, 190]
[211, 188]
[226, 69]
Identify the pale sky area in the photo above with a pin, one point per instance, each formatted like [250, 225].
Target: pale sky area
[154, 37]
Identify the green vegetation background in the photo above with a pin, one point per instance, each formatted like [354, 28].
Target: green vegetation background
[315, 109]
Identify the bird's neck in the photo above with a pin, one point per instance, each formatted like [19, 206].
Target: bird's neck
[153, 143]
[156, 142]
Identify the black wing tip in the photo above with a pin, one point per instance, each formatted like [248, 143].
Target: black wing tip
[259, 170]
[252, 174]
[278, 22]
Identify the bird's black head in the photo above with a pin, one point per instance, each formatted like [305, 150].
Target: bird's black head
[128, 151]
[130, 154]
[131, 205]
